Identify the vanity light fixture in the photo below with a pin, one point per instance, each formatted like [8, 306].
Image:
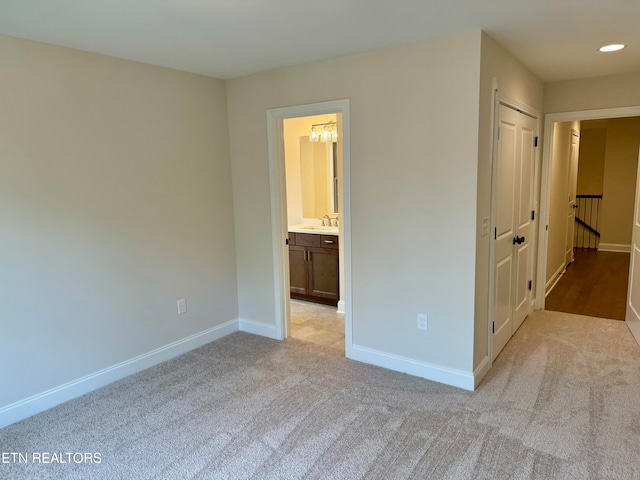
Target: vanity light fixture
[313, 136]
[612, 48]
[324, 132]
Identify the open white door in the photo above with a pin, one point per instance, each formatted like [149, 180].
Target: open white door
[572, 187]
[632, 316]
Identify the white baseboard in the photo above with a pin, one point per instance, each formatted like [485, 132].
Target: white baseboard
[437, 373]
[48, 399]
[614, 247]
[632, 324]
[259, 328]
[341, 306]
[553, 281]
[480, 372]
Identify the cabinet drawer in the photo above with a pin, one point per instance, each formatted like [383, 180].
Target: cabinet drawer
[292, 238]
[308, 240]
[329, 241]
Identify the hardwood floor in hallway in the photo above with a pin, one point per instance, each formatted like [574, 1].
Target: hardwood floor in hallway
[595, 284]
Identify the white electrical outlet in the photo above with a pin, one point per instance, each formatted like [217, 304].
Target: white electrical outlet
[182, 306]
[422, 321]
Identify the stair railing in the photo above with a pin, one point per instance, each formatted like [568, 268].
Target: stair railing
[587, 217]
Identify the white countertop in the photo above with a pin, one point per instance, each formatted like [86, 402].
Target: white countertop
[303, 228]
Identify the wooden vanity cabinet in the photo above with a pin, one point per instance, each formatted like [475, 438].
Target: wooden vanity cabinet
[314, 273]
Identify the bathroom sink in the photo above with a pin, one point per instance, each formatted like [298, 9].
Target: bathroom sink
[314, 229]
[319, 228]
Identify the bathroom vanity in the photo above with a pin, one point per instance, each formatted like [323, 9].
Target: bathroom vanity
[314, 264]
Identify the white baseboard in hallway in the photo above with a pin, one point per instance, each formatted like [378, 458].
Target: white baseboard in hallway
[40, 402]
[614, 247]
[553, 281]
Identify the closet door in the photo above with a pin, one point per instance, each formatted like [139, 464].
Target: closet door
[513, 231]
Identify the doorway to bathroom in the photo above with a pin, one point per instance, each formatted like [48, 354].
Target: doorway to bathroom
[310, 198]
[312, 155]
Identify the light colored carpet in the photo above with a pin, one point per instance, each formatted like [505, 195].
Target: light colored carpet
[561, 402]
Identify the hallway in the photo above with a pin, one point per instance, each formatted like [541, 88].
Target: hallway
[595, 284]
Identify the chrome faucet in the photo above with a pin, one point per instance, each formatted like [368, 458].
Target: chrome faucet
[326, 221]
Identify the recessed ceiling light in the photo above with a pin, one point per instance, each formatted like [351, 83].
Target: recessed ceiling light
[612, 48]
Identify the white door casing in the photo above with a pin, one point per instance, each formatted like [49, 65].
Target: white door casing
[632, 316]
[572, 187]
[513, 223]
[550, 120]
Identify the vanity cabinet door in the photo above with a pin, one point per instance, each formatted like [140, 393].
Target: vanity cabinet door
[324, 277]
[298, 270]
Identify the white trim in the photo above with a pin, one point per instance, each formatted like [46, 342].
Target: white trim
[553, 281]
[614, 247]
[516, 105]
[278, 222]
[545, 191]
[482, 370]
[492, 215]
[341, 306]
[437, 373]
[50, 398]
[634, 328]
[275, 117]
[259, 328]
[632, 111]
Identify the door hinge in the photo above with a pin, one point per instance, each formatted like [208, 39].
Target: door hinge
[493, 327]
[535, 142]
[533, 215]
[495, 233]
[530, 285]
[286, 242]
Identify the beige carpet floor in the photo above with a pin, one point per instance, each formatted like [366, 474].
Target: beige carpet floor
[561, 402]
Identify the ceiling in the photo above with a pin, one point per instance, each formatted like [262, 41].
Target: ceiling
[556, 39]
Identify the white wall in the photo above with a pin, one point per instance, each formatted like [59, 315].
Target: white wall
[517, 83]
[593, 143]
[413, 191]
[619, 180]
[115, 200]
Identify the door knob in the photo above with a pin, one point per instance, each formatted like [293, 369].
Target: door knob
[518, 240]
[576, 206]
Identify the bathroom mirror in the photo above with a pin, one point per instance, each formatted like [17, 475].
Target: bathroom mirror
[318, 169]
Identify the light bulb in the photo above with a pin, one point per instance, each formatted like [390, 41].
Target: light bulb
[612, 48]
[325, 134]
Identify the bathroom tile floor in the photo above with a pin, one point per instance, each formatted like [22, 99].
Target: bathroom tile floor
[320, 324]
